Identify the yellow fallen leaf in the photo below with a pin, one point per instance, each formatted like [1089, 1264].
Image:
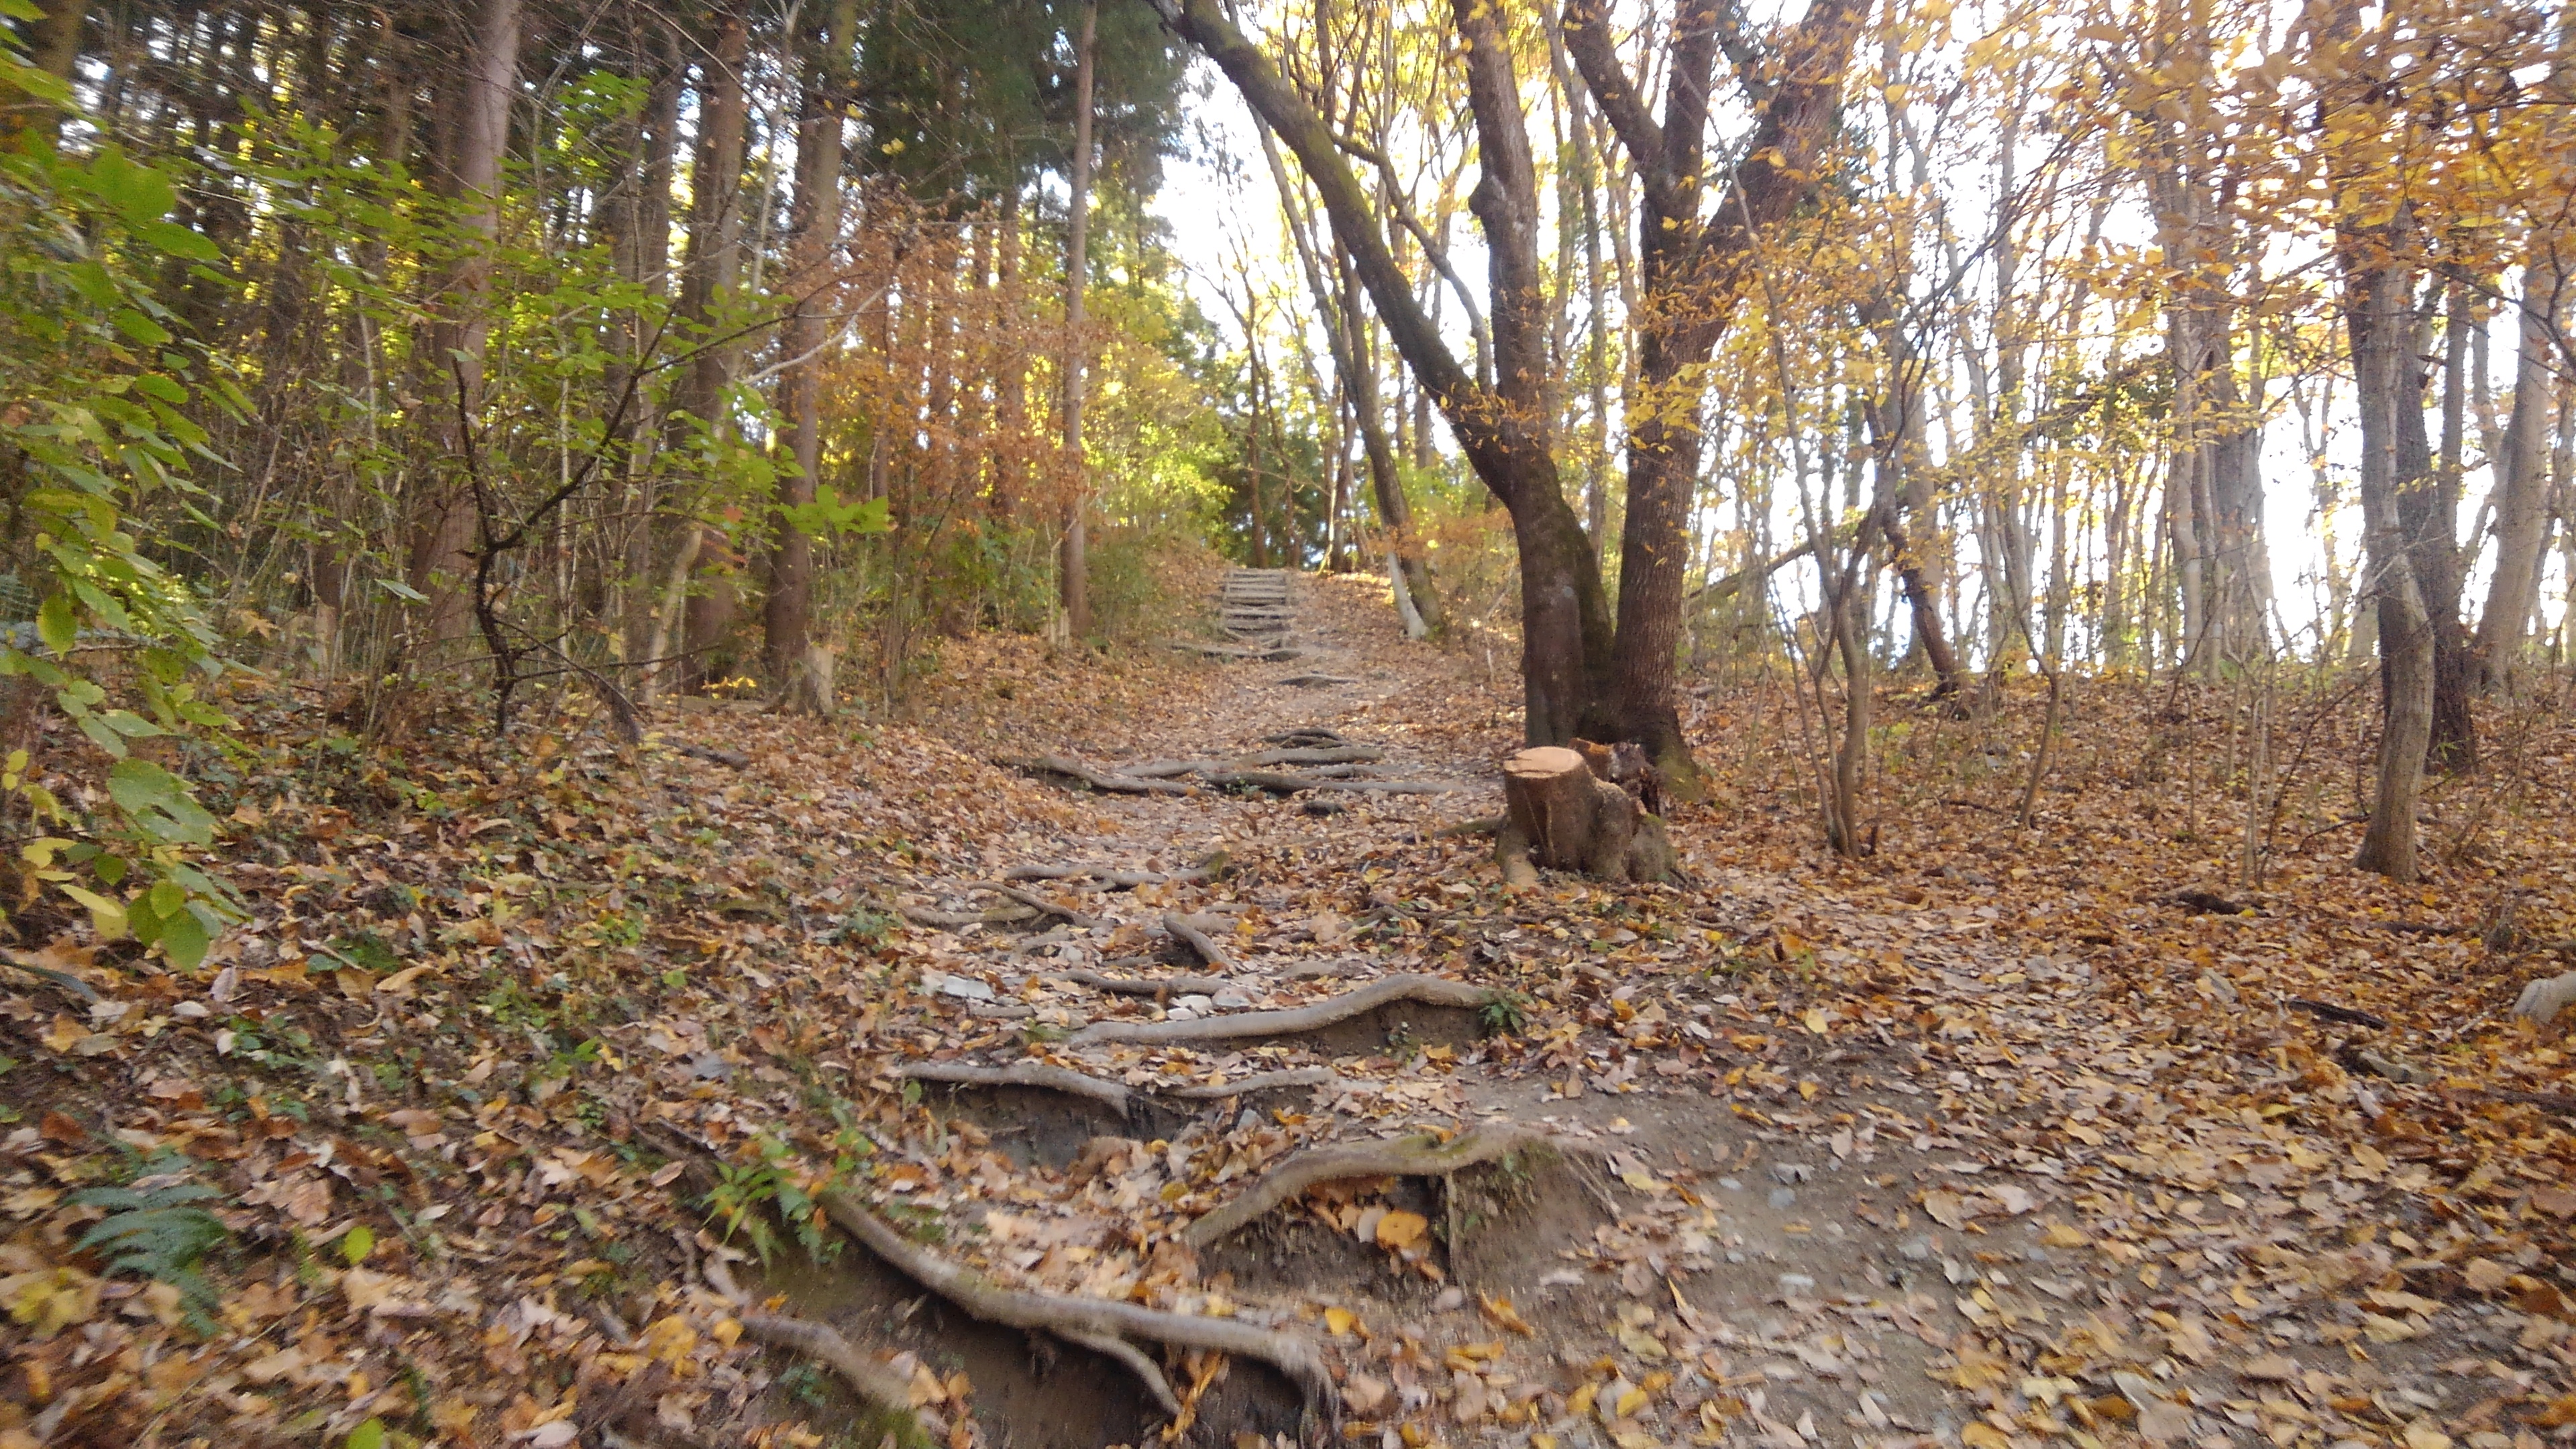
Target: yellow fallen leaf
[2059, 1235]
[2383, 1329]
[1816, 1020]
[1339, 1322]
[2485, 1275]
[1981, 1435]
[2421, 1435]
[1579, 1402]
[1399, 1230]
[1630, 1402]
[1502, 1313]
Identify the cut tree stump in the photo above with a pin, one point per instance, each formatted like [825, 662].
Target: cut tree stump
[1565, 817]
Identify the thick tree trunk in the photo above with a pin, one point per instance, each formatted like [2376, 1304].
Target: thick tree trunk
[1564, 816]
[1689, 266]
[442, 560]
[1074, 563]
[788, 615]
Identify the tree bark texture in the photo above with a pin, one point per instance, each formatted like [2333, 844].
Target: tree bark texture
[1074, 565]
[789, 607]
[479, 135]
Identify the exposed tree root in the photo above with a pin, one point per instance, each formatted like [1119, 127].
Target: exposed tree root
[1036, 902]
[1144, 1368]
[1021, 1074]
[951, 920]
[1423, 1156]
[1408, 986]
[1258, 1082]
[1284, 784]
[1109, 879]
[867, 1378]
[1078, 1319]
[1186, 930]
[1096, 779]
[1158, 987]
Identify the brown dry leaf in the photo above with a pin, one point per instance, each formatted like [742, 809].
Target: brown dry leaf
[2270, 1368]
[1945, 1208]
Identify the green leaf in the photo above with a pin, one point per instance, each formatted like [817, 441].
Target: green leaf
[356, 1244]
[159, 802]
[57, 625]
[369, 1435]
[180, 242]
[183, 939]
[135, 192]
[141, 328]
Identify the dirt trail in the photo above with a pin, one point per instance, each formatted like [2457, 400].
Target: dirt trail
[1898, 1206]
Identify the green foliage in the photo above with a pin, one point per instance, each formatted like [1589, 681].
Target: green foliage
[155, 1229]
[747, 1194]
[1505, 1013]
[100, 386]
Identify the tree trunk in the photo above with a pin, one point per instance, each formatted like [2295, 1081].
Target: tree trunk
[2428, 512]
[789, 608]
[1564, 816]
[1686, 263]
[1075, 564]
[2376, 318]
[715, 269]
[1565, 617]
[2522, 486]
[441, 559]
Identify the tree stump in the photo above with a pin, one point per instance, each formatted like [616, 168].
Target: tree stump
[1566, 817]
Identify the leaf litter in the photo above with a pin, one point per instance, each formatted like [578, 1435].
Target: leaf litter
[531, 1056]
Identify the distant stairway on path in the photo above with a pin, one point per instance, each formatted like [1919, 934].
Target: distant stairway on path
[1255, 610]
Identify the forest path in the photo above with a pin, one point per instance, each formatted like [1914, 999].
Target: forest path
[1826, 1169]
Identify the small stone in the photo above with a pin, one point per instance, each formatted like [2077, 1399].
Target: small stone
[1451, 1299]
[1250, 1121]
[1782, 1197]
[707, 1066]
[964, 988]
[1733, 1256]
[1916, 1250]
[1231, 1000]
[1791, 1172]
[1730, 1184]
[1796, 1285]
[1194, 1004]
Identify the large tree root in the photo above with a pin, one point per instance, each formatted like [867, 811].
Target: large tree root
[1039, 903]
[1423, 1156]
[1283, 784]
[1258, 1082]
[1022, 1074]
[1187, 931]
[951, 920]
[867, 1378]
[1158, 987]
[1080, 1319]
[1096, 779]
[1409, 986]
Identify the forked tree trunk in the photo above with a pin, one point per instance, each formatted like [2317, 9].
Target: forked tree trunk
[1565, 817]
